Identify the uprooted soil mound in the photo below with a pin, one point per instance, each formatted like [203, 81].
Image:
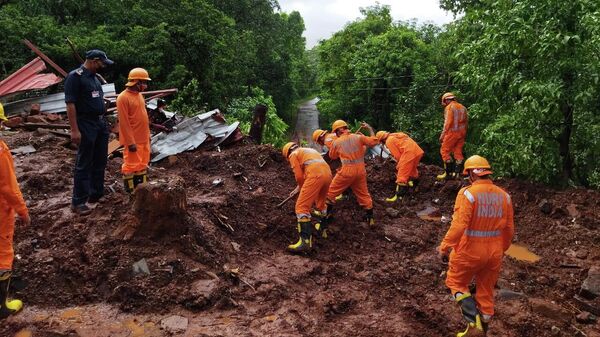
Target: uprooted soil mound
[227, 255]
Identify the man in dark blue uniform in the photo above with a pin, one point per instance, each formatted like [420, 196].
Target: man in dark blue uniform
[89, 130]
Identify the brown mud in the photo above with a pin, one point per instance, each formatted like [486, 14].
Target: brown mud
[227, 274]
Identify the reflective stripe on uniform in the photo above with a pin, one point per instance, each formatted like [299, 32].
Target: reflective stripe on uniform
[303, 216]
[469, 196]
[312, 161]
[352, 161]
[482, 234]
[457, 115]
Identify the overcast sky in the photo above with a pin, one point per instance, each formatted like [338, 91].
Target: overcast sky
[322, 18]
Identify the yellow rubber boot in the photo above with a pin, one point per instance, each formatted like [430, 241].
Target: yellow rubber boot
[468, 308]
[448, 171]
[304, 243]
[322, 225]
[7, 307]
[128, 183]
[401, 190]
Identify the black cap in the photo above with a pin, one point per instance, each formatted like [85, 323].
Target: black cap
[96, 54]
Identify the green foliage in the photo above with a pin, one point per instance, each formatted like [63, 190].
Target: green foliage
[241, 109]
[219, 47]
[385, 73]
[532, 67]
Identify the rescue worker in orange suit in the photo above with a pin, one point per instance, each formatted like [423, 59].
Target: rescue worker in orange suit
[453, 136]
[11, 203]
[481, 231]
[134, 129]
[408, 154]
[324, 138]
[351, 148]
[313, 177]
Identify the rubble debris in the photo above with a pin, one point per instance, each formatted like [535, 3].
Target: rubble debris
[507, 295]
[28, 78]
[27, 149]
[548, 309]
[191, 133]
[392, 212]
[174, 324]
[585, 317]
[590, 288]
[545, 206]
[141, 267]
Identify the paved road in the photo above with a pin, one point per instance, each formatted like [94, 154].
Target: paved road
[307, 121]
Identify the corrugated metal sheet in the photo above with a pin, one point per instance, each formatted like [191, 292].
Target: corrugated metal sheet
[54, 103]
[191, 133]
[28, 78]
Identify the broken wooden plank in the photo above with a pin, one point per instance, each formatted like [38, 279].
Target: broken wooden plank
[34, 126]
[113, 146]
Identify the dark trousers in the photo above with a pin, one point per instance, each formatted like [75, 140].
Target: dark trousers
[91, 160]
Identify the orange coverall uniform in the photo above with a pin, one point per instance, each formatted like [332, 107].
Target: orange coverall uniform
[351, 148]
[455, 131]
[11, 203]
[329, 139]
[407, 153]
[313, 175]
[481, 231]
[134, 128]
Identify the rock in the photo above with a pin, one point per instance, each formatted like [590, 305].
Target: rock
[205, 288]
[585, 318]
[581, 254]
[573, 212]
[14, 122]
[545, 206]
[506, 295]
[52, 117]
[548, 309]
[36, 119]
[590, 288]
[34, 109]
[174, 324]
[392, 212]
[141, 267]
[555, 330]
[543, 280]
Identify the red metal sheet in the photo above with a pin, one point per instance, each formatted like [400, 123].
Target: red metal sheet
[28, 78]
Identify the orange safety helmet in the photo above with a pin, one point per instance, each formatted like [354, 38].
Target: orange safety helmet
[380, 135]
[318, 133]
[137, 74]
[478, 164]
[287, 149]
[446, 96]
[338, 125]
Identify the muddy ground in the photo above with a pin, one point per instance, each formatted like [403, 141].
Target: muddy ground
[229, 275]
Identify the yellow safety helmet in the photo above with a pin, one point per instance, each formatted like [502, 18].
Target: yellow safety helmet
[478, 164]
[318, 133]
[137, 74]
[338, 125]
[446, 96]
[287, 149]
[381, 135]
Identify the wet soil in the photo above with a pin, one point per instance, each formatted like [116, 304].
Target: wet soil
[227, 271]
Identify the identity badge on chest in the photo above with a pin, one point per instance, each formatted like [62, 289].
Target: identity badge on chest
[95, 94]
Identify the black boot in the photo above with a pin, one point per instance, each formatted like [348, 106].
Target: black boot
[140, 178]
[304, 243]
[7, 307]
[322, 224]
[369, 218]
[448, 170]
[460, 165]
[401, 190]
[414, 185]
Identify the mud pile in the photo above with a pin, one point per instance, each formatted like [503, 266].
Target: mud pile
[226, 269]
